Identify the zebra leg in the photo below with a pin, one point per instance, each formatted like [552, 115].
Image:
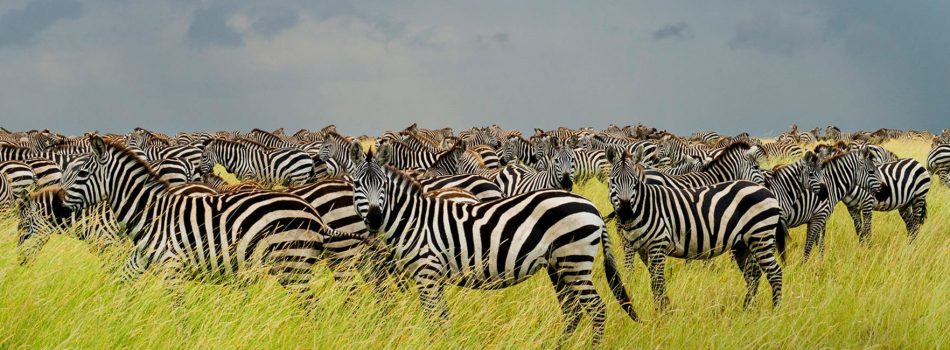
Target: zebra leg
[629, 254]
[866, 212]
[583, 287]
[174, 282]
[910, 221]
[431, 295]
[763, 253]
[294, 273]
[856, 216]
[750, 272]
[657, 269]
[134, 267]
[816, 233]
[570, 305]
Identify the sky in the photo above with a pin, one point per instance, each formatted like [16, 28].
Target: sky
[369, 66]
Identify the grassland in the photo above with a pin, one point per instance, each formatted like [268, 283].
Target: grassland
[887, 294]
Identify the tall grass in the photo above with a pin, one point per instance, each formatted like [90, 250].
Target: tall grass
[888, 294]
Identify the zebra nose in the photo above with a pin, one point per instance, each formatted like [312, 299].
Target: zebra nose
[623, 210]
[566, 183]
[374, 218]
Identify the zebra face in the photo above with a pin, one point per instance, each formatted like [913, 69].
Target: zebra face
[208, 158]
[812, 175]
[868, 174]
[86, 179]
[626, 176]
[370, 186]
[564, 168]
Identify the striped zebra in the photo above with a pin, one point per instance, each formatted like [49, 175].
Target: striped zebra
[6, 194]
[697, 223]
[271, 140]
[706, 137]
[156, 148]
[13, 152]
[590, 165]
[647, 149]
[19, 175]
[880, 154]
[734, 163]
[253, 162]
[689, 165]
[175, 170]
[678, 151]
[520, 179]
[334, 150]
[802, 195]
[849, 176]
[223, 235]
[219, 185]
[43, 213]
[488, 245]
[904, 187]
[774, 150]
[938, 162]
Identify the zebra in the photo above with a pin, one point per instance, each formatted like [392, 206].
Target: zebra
[43, 213]
[219, 185]
[519, 179]
[802, 195]
[6, 194]
[489, 245]
[689, 165]
[19, 175]
[698, 223]
[590, 165]
[904, 187]
[677, 150]
[647, 149]
[335, 148]
[248, 161]
[849, 176]
[706, 137]
[880, 154]
[13, 152]
[225, 235]
[156, 148]
[736, 162]
[780, 150]
[938, 162]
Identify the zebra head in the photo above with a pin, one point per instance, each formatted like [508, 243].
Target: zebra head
[868, 174]
[812, 175]
[625, 180]
[209, 157]
[34, 224]
[88, 180]
[370, 184]
[564, 166]
[751, 169]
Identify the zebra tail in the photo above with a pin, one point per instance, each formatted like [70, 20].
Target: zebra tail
[781, 237]
[613, 277]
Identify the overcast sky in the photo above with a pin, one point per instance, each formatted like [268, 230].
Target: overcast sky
[111, 65]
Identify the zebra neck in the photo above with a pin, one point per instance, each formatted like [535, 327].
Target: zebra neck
[405, 207]
[132, 202]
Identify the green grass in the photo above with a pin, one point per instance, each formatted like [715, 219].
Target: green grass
[888, 294]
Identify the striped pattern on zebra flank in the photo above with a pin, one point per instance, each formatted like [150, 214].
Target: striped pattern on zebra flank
[780, 150]
[488, 245]
[688, 165]
[223, 235]
[736, 162]
[247, 162]
[175, 171]
[19, 175]
[938, 162]
[6, 194]
[481, 187]
[46, 172]
[698, 223]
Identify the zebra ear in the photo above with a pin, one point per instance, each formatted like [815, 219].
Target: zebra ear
[356, 152]
[613, 155]
[383, 154]
[98, 145]
[810, 157]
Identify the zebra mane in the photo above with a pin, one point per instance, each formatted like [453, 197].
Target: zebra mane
[734, 147]
[124, 151]
[838, 156]
[334, 135]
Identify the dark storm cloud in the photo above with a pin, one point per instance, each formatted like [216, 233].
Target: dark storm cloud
[373, 65]
[21, 26]
[209, 26]
[679, 30]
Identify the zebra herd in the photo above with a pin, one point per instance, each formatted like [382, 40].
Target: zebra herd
[484, 208]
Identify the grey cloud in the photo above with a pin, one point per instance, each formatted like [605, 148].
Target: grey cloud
[499, 39]
[209, 27]
[21, 26]
[679, 30]
[275, 22]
